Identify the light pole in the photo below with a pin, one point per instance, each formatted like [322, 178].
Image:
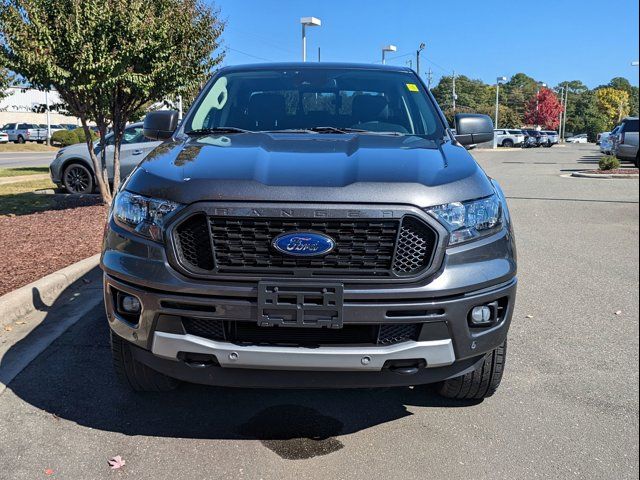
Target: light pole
[420, 48]
[498, 81]
[543, 85]
[307, 22]
[388, 48]
[635, 64]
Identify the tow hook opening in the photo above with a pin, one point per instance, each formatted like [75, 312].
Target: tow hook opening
[407, 366]
[198, 360]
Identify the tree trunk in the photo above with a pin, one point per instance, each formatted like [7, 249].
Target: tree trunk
[118, 130]
[99, 167]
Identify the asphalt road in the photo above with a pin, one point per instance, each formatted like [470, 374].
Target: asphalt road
[26, 159]
[567, 408]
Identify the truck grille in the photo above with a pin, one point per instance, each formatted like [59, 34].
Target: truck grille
[364, 248]
[251, 333]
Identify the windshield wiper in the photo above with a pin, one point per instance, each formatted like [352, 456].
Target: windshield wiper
[207, 131]
[351, 130]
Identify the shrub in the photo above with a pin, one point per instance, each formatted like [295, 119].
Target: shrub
[609, 162]
[61, 137]
[79, 135]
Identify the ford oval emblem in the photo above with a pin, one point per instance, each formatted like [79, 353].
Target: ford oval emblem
[303, 244]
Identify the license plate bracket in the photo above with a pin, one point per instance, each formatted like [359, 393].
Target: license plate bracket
[300, 305]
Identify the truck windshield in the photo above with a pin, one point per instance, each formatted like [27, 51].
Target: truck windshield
[316, 99]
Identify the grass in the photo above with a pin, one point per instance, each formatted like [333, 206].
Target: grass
[26, 147]
[14, 172]
[20, 198]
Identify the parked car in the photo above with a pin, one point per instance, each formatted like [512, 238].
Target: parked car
[599, 137]
[272, 240]
[72, 168]
[4, 137]
[532, 138]
[625, 142]
[605, 141]
[69, 126]
[25, 132]
[509, 137]
[543, 140]
[552, 137]
[581, 138]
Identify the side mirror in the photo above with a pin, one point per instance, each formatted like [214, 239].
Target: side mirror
[160, 125]
[473, 128]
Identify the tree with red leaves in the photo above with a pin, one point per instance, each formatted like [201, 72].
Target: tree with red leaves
[544, 110]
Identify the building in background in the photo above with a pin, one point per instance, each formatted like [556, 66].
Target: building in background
[25, 104]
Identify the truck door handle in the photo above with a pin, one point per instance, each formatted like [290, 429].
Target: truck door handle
[136, 152]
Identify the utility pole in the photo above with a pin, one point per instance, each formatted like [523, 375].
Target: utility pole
[561, 111]
[429, 78]
[420, 48]
[566, 99]
[410, 63]
[318, 54]
[453, 91]
[179, 107]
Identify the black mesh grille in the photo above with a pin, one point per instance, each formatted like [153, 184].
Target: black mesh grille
[415, 246]
[364, 248]
[193, 244]
[203, 327]
[251, 333]
[391, 333]
[364, 245]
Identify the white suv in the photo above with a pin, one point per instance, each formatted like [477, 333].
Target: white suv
[509, 137]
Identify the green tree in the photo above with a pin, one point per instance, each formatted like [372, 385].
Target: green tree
[6, 79]
[108, 59]
[471, 94]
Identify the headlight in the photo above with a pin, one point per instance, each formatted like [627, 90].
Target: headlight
[470, 220]
[143, 215]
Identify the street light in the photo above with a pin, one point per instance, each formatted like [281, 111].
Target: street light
[420, 48]
[543, 85]
[635, 64]
[388, 48]
[498, 81]
[307, 22]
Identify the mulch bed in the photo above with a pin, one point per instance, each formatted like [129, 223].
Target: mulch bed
[618, 171]
[35, 245]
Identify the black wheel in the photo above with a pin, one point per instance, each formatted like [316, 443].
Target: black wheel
[480, 383]
[507, 143]
[134, 374]
[77, 179]
[20, 139]
[637, 160]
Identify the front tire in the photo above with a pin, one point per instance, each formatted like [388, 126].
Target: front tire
[134, 374]
[77, 179]
[480, 383]
[507, 143]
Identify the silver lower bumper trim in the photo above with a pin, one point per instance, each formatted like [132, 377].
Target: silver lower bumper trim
[436, 353]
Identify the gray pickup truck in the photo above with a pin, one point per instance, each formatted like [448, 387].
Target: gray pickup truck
[625, 141]
[311, 225]
[25, 132]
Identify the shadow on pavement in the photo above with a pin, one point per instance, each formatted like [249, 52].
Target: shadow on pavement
[73, 380]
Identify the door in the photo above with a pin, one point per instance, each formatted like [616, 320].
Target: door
[135, 147]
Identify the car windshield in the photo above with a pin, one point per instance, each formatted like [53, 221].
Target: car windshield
[321, 100]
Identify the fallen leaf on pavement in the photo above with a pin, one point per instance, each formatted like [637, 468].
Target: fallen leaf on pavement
[619, 312]
[116, 462]
[8, 328]
[529, 316]
[21, 322]
[48, 471]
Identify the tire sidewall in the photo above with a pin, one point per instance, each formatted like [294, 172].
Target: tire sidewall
[87, 170]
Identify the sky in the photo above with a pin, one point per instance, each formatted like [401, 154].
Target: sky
[550, 41]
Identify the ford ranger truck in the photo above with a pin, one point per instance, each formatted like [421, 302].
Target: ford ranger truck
[311, 225]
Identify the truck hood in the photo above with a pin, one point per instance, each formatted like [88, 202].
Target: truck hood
[349, 168]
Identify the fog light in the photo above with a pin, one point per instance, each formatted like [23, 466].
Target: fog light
[482, 315]
[130, 304]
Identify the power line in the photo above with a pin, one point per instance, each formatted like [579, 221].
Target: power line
[248, 54]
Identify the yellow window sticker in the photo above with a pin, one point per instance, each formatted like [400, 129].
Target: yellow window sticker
[412, 87]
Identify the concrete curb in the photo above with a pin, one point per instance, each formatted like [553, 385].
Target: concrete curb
[604, 175]
[21, 302]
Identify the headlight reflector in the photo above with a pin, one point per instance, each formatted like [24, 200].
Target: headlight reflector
[470, 220]
[143, 215]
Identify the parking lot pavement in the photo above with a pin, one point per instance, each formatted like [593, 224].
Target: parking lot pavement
[567, 408]
[26, 159]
